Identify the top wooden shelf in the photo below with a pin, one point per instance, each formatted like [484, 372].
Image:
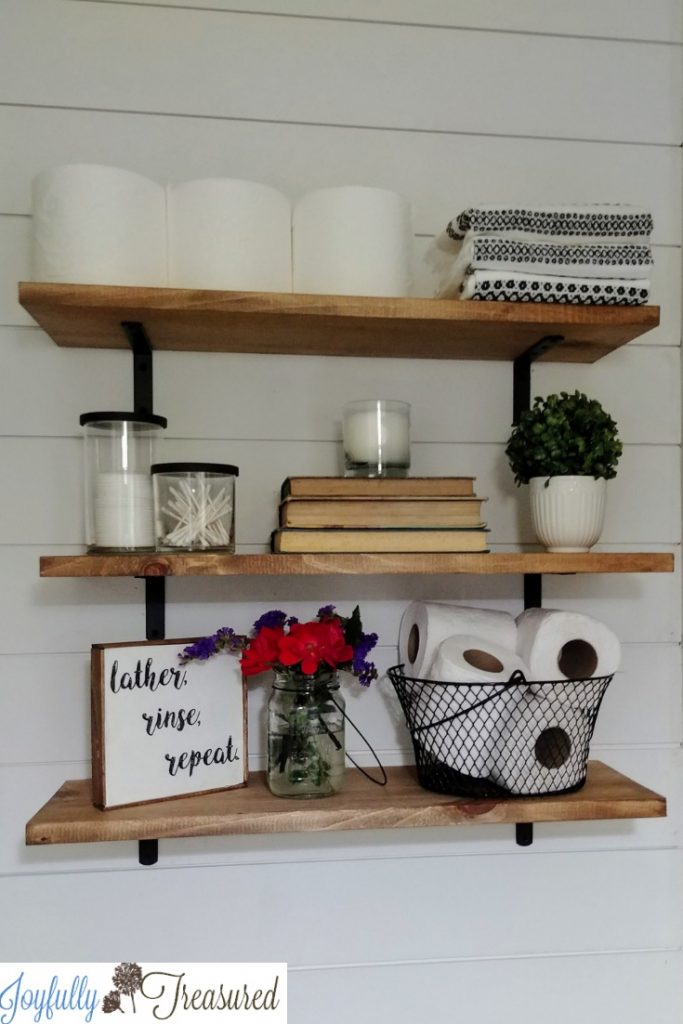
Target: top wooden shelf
[90, 316]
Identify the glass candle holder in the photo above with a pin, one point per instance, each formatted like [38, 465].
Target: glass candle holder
[376, 435]
[118, 451]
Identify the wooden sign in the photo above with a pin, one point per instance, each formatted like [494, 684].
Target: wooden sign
[161, 729]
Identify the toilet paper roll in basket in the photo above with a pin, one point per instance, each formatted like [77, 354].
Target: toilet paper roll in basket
[566, 645]
[543, 748]
[425, 625]
[460, 726]
[229, 234]
[98, 225]
[352, 241]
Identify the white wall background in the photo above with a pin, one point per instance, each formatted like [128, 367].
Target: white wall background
[450, 103]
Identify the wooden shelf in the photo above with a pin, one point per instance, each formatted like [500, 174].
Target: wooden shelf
[69, 817]
[90, 316]
[204, 564]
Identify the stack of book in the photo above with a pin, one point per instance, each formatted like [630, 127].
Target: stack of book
[357, 514]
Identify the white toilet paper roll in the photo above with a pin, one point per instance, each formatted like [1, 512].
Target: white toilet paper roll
[467, 741]
[98, 225]
[566, 645]
[540, 751]
[352, 241]
[462, 659]
[229, 234]
[425, 625]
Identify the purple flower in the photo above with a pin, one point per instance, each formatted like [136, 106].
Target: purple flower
[202, 650]
[271, 620]
[326, 612]
[368, 674]
[365, 670]
[225, 639]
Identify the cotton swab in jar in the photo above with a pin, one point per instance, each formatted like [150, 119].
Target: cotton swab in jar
[200, 518]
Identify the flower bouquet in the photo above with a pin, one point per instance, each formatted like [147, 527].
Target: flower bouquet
[306, 710]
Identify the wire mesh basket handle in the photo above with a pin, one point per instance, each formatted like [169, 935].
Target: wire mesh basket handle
[516, 679]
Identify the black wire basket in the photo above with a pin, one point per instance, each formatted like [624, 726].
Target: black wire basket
[514, 738]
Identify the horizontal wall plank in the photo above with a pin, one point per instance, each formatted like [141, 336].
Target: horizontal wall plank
[660, 20]
[631, 986]
[462, 169]
[629, 396]
[48, 507]
[628, 987]
[48, 704]
[64, 615]
[350, 64]
[489, 906]
[300, 398]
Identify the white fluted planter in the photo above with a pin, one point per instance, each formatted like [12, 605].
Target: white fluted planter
[569, 513]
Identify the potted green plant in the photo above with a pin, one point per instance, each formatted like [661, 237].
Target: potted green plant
[565, 447]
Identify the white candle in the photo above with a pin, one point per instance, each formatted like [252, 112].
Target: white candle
[377, 435]
[123, 511]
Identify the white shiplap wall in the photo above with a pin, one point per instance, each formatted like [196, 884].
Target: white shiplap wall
[450, 103]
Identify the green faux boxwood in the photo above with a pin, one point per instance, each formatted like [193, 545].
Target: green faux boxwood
[564, 435]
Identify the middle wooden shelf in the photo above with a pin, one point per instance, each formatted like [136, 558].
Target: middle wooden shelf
[215, 564]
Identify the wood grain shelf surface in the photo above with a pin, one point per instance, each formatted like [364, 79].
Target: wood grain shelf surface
[206, 564]
[69, 817]
[90, 316]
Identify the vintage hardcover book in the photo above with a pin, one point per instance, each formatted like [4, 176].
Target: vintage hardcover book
[377, 487]
[377, 541]
[394, 513]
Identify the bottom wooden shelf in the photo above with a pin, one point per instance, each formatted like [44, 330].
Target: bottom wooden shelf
[69, 817]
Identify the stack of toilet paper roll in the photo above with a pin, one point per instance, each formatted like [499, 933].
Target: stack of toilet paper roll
[106, 225]
[525, 738]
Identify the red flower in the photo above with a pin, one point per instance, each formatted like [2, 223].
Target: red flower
[262, 652]
[310, 643]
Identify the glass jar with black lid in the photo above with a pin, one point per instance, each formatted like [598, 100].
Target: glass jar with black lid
[118, 454]
[194, 506]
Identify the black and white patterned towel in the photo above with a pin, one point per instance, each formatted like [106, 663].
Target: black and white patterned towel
[561, 259]
[492, 286]
[611, 222]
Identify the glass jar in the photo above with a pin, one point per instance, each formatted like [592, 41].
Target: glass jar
[305, 736]
[118, 453]
[194, 506]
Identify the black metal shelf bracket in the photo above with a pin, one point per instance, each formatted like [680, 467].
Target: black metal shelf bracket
[155, 629]
[521, 373]
[524, 834]
[155, 607]
[148, 851]
[155, 586]
[143, 365]
[533, 582]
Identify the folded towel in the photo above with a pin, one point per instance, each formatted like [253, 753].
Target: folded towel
[490, 285]
[561, 259]
[609, 222]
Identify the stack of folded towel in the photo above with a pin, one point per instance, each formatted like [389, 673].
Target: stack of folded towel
[583, 255]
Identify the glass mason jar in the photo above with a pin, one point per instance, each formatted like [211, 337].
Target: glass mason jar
[305, 736]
